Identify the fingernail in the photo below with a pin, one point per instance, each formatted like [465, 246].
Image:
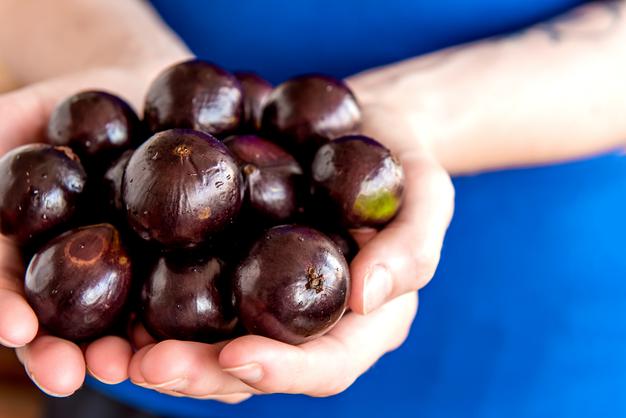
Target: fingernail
[377, 288]
[44, 389]
[140, 384]
[251, 372]
[169, 385]
[95, 376]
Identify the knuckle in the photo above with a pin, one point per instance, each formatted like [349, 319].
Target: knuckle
[426, 262]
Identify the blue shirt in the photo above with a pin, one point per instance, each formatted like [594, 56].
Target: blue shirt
[525, 317]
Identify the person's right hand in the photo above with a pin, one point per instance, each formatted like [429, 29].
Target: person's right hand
[57, 366]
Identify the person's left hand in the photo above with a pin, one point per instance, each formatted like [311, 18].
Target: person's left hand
[390, 267]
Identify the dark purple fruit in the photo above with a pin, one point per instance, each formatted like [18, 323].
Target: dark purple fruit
[78, 283]
[181, 186]
[187, 298]
[197, 95]
[272, 176]
[307, 111]
[96, 125]
[40, 186]
[112, 181]
[293, 286]
[256, 90]
[360, 179]
[344, 241]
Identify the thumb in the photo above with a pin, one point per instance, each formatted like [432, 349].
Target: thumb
[23, 115]
[24, 112]
[403, 257]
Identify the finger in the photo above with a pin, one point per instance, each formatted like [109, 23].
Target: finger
[134, 368]
[18, 322]
[188, 368]
[324, 366]
[56, 366]
[108, 359]
[232, 399]
[403, 257]
[24, 118]
[363, 235]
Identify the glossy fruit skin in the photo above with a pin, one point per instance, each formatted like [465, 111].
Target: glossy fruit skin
[272, 177]
[197, 95]
[112, 181]
[97, 125]
[307, 111]
[40, 188]
[344, 241]
[256, 90]
[78, 283]
[188, 298]
[360, 179]
[181, 186]
[293, 286]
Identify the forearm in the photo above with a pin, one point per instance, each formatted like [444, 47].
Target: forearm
[42, 39]
[553, 92]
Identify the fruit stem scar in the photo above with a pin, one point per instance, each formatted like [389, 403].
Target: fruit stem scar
[249, 169]
[182, 151]
[315, 280]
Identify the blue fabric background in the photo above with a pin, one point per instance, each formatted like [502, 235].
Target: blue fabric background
[525, 317]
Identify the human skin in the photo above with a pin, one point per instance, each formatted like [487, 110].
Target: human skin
[550, 93]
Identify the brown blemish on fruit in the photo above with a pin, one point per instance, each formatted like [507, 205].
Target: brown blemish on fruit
[182, 151]
[204, 213]
[315, 280]
[85, 249]
[122, 261]
[249, 169]
[68, 152]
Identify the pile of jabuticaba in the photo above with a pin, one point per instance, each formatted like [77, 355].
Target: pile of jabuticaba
[225, 211]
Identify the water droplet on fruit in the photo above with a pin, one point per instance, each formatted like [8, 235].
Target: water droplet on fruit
[44, 217]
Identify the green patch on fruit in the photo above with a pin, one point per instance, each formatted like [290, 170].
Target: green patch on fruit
[380, 206]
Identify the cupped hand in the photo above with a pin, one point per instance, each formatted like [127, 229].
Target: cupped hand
[390, 267]
[57, 366]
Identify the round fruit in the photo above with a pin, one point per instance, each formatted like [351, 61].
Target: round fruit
[360, 179]
[293, 286]
[40, 186]
[188, 299]
[256, 90]
[112, 181]
[97, 125]
[197, 95]
[272, 176]
[344, 241]
[78, 283]
[180, 186]
[307, 111]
